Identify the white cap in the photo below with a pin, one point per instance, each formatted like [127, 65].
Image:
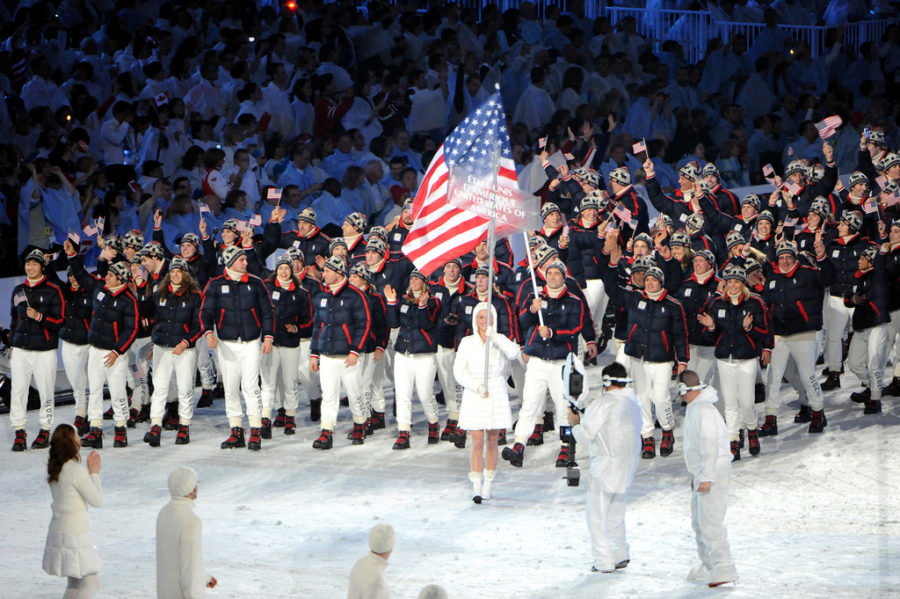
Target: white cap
[433, 591]
[381, 538]
[182, 482]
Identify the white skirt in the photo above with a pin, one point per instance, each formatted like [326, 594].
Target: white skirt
[478, 413]
[71, 555]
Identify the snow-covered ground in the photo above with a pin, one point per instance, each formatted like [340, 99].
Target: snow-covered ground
[812, 516]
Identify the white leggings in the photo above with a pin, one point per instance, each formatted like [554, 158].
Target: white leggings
[835, 330]
[279, 366]
[414, 371]
[737, 379]
[75, 359]
[868, 355]
[651, 383]
[82, 588]
[596, 297]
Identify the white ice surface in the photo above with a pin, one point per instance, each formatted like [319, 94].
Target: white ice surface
[812, 516]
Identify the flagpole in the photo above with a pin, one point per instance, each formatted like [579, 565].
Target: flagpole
[534, 284]
[491, 243]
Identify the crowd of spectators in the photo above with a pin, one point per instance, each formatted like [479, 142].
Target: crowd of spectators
[122, 108]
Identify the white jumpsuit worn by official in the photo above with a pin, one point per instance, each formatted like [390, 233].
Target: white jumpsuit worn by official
[611, 426]
[180, 570]
[707, 455]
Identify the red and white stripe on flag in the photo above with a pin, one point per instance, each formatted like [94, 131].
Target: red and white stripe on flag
[870, 206]
[440, 231]
[638, 148]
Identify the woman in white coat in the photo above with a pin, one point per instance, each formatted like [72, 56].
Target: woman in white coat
[485, 409]
[70, 549]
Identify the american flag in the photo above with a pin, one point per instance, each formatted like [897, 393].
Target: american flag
[19, 297]
[790, 221]
[870, 206]
[204, 209]
[622, 213]
[768, 171]
[273, 194]
[793, 188]
[891, 196]
[90, 230]
[828, 126]
[443, 230]
[639, 147]
[100, 222]
[161, 99]
[74, 237]
[255, 220]
[242, 226]
[881, 180]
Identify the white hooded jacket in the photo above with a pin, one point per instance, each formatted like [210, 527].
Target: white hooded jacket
[612, 426]
[707, 453]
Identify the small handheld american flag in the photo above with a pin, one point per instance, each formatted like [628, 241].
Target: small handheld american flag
[768, 171]
[891, 196]
[870, 206]
[91, 230]
[255, 220]
[790, 221]
[19, 297]
[204, 209]
[828, 126]
[273, 194]
[639, 147]
[623, 213]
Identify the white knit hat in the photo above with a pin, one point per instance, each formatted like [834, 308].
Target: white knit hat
[433, 591]
[381, 538]
[182, 481]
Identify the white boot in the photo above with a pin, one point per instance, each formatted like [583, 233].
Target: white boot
[488, 479]
[475, 477]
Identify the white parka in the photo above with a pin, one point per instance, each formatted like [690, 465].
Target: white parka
[612, 426]
[180, 571]
[367, 579]
[707, 453]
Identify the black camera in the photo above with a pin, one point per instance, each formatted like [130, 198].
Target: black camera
[573, 475]
[576, 383]
[565, 434]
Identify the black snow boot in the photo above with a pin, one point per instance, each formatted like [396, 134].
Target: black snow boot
[254, 443]
[649, 450]
[803, 415]
[769, 427]
[515, 455]
[817, 421]
[152, 436]
[235, 440]
[42, 441]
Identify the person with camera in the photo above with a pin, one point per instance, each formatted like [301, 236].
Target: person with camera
[549, 337]
[707, 456]
[611, 425]
[484, 411]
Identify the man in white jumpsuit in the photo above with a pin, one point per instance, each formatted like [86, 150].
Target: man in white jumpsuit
[612, 427]
[708, 458]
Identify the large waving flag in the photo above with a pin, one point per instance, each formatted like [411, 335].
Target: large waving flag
[453, 207]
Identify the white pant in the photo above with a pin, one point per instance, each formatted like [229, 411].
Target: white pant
[839, 317]
[540, 376]
[894, 340]
[737, 379]
[703, 362]
[804, 355]
[75, 359]
[280, 365]
[138, 369]
[332, 374]
[205, 366]
[606, 523]
[308, 379]
[115, 377]
[452, 391]
[165, 363]
[708, 522]
[596, 297]
[239, 365]
[373, 383]
[868, 356]
[414, 371]
[23, 365]
[651, 383]
[517, 372]
[389, 353]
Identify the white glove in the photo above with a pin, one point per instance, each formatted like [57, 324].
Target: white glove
[490, 333]
[482, 391]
